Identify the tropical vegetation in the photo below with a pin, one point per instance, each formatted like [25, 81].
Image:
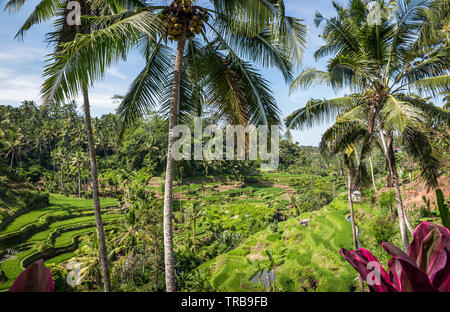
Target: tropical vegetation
[99, 203]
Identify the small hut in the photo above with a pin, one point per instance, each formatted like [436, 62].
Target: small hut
[305, 222]
[356, 196]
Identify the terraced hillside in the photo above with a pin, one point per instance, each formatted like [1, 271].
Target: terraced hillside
[307, 258]
[49, 232]
[233, 210]
[14, 202]
[240, 206]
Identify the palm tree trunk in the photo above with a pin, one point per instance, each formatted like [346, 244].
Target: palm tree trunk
[61, 175]
[95, 195]
[195, 228]
[168, 191]
[79, 183]
[389, 182]
[408, 225]
[371, 172]
[341, 169]
[85, 186]
[390, 157]
[352, 216]
[350, 204]
[12, 159]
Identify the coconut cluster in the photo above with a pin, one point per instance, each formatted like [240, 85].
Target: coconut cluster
[183, 16]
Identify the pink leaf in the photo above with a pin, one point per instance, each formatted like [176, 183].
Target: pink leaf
[430, 249]
[368, 267]
[36, 278]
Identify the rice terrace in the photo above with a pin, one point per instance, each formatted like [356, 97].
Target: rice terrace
[252, 146]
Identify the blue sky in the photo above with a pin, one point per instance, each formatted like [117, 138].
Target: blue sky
[22, 62]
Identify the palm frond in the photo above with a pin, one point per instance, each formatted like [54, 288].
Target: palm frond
[310, 77]
[44, 10]
[319, 111]
[418, 145]
[433, 112]
[434, 85]
[399, 115]
[85, 59]
[146, 89]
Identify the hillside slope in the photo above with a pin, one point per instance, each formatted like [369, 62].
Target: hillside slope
[306, 258]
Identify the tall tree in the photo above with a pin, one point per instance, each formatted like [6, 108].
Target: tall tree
[66, 29]
[78, 161]
[214, 71]
[372, 175]
[343, 140]
[382, 60]
[195, 212]
[12, 140]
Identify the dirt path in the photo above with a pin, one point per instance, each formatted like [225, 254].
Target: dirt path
[289, 191]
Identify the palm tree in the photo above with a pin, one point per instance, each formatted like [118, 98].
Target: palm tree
[210, 71]
[372, 174]
[88, 259]
[46, 10]
[383, 62]
[12, 140]
[127, 237]
[56, 157]
[195, 212]
[86, 10]
[78, 161]
[350, 171]
[343, 140]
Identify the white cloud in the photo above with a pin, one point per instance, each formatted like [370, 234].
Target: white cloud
[16, 86]
[20, 72]
[115, 72]
[18, 53]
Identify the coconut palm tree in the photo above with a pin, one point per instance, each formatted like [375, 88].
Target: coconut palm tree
[343, 140]
[382, 62]
[127, 237]
[13, 140]
[88, 258]
[214, 68]
[78, 161]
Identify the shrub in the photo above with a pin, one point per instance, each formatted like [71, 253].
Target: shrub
[370, 195]
[386, 201]
[424, 212]
[59, 275]
[34, 173]
[381, 229]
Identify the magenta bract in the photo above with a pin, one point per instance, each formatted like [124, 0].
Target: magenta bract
[424, 267]
[36, 278]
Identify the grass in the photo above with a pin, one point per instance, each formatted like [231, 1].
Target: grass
[13, 200]
[307, 258]
[61, 258]
[59, 204]
[78, 225]
[13, 267]
[41, 236]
